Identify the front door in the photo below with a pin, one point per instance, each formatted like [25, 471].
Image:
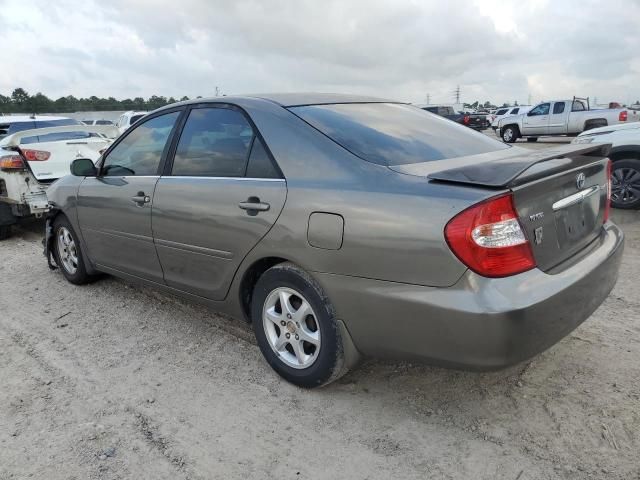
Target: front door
[220, 196]
[536, 120]
[114, 208]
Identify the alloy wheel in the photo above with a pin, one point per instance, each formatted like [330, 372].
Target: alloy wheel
[625, 185]
[291, 327]
[67, 251]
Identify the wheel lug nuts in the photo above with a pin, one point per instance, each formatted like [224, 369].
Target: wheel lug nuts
[288, 315]
[283, 323]
[288, 335]
[297, 337]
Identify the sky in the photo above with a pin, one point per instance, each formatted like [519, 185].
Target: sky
[497, 50]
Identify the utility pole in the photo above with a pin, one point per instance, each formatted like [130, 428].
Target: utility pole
[217, 91]
[456, 93]
[529, 101]
[428, 99]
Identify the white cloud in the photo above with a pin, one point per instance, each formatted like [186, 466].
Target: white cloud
[500, 50]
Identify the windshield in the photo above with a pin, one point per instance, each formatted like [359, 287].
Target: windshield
[395, 134]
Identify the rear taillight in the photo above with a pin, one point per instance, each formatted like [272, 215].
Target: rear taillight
[607, 206]
[11, 162]
[488, 238]
[466, 119]
[36, 155]
[622, 117]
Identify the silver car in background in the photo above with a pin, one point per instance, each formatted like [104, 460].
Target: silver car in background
[342, 226]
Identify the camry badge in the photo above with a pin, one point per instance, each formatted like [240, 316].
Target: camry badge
[536, 216]
[580, 179]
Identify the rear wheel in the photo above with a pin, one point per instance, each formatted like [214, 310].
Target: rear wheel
[597, 123]
[510, 134]
[5, 232]
[295, 326]
[625, 184]
[532, 139]
[67, 253]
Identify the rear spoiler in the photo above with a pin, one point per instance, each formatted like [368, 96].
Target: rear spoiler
[518, 169]
[14, 139]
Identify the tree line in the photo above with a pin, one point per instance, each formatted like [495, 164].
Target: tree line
[20, 101]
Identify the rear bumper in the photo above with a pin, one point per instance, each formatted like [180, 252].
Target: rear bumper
[479, 323]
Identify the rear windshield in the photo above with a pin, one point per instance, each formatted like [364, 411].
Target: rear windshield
[395, 134]
[502, 111]
[56, 123]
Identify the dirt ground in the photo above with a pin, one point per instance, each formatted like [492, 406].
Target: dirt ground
[114, 381]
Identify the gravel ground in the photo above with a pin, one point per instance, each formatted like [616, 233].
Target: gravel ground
[111, 381]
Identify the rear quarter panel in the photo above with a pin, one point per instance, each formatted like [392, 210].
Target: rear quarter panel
[393, 223]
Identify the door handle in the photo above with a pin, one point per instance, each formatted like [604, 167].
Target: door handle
[141, 199]
[254, 205]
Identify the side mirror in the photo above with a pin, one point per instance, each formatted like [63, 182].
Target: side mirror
[83, 167]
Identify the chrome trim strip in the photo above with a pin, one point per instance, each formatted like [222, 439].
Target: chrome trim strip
[575, 198]
[177, 177]
[193, 249]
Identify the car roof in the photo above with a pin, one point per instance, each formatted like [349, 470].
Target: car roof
[295, 99]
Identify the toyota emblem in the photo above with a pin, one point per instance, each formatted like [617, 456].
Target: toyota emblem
[580, 179]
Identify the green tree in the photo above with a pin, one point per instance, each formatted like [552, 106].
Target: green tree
[19, 97]
[184, 98]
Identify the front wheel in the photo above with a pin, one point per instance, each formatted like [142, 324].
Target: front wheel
[510, 134]
[67, 252]
[625, 184]
[295, 326]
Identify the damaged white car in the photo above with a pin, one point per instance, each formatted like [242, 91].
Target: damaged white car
[31, 160]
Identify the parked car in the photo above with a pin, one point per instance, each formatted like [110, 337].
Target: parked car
[506, 112]
[625, 155]
[558, 117]
[342, 225]
[127, 119]
[15, 123]
[97, 122]
[31, 160]
[472, 120]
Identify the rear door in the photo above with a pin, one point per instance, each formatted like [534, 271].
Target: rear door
[219, 196]
[114, 209]
[558, 118]
[536, 120]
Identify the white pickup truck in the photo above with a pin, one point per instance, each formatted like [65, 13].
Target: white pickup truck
[30, 160]
[559, 117]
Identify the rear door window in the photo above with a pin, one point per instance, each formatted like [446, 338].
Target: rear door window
[395, 134]
[502, 111]
[577, 106]
[558, 107]
[214, 142]
[515, 111]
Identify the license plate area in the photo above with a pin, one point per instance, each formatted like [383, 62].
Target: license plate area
[577, 224]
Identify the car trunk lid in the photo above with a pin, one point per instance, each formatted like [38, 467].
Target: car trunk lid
[560, 194]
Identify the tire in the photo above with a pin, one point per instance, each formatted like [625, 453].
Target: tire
[305, 364]
[510, 134]
[532, 139]
[591, 124]
[68, 253]
[625, 184]
[5, 232]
